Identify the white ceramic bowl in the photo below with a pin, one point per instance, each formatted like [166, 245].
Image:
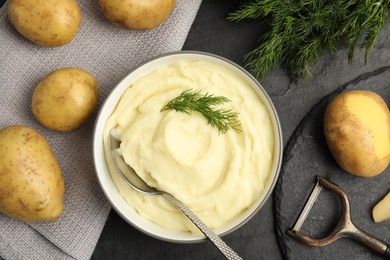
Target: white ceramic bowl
[104, 178]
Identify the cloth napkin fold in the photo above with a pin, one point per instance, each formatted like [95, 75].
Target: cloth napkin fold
[107, 52]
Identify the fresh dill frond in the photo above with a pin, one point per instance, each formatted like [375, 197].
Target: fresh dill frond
[206, 104]
[302, 29]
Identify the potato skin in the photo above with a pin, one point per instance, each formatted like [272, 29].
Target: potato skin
[31, 181]
[137, 15]
[45, 23]
[65, 99]
[354, 144]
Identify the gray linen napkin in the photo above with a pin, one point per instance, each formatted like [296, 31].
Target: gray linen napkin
[107, 52]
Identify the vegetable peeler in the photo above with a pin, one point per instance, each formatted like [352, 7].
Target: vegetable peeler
[345, 226]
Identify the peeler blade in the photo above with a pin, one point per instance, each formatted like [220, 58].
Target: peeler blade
[309, 204]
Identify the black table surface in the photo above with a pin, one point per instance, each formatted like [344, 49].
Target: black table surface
[212, 33]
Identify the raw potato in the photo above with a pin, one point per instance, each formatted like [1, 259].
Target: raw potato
[357, 131]
[46, 23]
[31, 182]
[381, 210]
[137, 14]
[65, 99]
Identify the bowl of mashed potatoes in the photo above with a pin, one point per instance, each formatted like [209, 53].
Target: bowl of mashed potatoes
[224, 177]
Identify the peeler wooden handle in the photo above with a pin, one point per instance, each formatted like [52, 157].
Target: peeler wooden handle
[345, 226]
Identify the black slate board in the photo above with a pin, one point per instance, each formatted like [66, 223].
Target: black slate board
[307, 155]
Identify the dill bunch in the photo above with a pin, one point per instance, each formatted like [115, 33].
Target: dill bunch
[302, 29]
[190, 100]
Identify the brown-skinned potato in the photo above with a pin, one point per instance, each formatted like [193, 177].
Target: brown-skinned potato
[357, 131]
[45, 23]
[137, 15]
[31, 181]
[65, 99]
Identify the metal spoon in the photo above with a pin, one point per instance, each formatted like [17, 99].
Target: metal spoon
[133, 180]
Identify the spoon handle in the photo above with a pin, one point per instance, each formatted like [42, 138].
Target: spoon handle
[217, 241]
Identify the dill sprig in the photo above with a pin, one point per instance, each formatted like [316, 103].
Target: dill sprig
[221, 118]
[302, 29]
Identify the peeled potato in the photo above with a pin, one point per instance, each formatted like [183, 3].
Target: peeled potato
[46, 23]
[357, 131]
[65, 99]
[381, 210]
[137, 15]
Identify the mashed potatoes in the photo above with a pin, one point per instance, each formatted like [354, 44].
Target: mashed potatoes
[218, 176]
